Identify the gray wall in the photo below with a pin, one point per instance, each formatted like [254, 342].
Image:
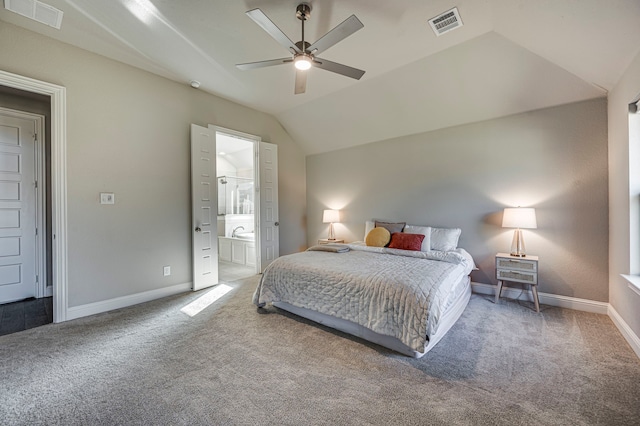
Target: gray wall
[553, 159]
[621, 297]
[128, 133]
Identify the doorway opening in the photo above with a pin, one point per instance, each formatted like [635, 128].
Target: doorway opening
[25, 212]
[256, 208]
[237, 206]
[57, 184]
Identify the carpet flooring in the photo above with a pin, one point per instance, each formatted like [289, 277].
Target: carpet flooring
[234, 365]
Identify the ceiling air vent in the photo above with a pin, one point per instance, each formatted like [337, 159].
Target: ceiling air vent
[36, 10]
[445, 22]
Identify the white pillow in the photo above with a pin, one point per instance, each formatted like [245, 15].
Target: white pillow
[445, 239]
[424, 230]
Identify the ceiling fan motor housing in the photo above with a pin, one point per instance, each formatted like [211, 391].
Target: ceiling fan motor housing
[303, 11]
[301, 47]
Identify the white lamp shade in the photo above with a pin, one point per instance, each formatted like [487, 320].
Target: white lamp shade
[331, 216]
[519, 217]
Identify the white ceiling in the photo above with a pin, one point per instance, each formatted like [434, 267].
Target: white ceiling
[238, 152]
[510, 56]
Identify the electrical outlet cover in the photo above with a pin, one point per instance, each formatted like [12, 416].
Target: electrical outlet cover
[107, 198]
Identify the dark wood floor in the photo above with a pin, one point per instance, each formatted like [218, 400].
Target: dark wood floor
[30, 313]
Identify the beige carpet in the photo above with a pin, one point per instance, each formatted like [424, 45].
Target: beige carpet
[153, 365]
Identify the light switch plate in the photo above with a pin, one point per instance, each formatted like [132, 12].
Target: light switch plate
[166, 271]
[107, 198]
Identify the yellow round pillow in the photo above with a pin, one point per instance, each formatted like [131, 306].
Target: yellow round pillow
[378, 237]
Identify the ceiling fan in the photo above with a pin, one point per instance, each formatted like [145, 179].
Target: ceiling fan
[304, 53]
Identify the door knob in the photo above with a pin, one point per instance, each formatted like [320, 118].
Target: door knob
[198, 229]
[277, 224]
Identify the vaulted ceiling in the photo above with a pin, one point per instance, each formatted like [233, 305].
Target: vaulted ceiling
[510, 56]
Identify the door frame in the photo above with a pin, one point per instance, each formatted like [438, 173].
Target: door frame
[58, 95]
[41, 189]
[256, 182]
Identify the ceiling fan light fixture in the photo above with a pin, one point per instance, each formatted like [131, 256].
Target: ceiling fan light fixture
[302, 62]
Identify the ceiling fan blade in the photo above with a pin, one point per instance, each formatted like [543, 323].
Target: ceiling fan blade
[266, 24]
[262, 64]
[339, 33]
[338, 68]
[301, 82]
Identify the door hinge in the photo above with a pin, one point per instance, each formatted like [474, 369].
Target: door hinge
[35, 137]
[37, 278]
[36, 184]
[36, 231]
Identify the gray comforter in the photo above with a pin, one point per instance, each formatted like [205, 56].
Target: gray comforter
[392, 292]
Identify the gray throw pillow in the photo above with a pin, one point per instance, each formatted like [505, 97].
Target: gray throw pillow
[392, 227]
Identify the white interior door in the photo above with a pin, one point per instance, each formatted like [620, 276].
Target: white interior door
[204, 208]
[268, 207]
[18, 207]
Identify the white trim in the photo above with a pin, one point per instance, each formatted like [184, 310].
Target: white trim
[627, 332]
[545, 298]
[634, 282]
[124, 301]
[41, 208]
[58, 95]
[235, 133]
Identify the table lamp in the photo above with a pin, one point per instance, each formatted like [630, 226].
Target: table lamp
[331, 217]
[519, 217]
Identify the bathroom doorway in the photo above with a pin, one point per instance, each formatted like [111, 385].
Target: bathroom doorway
[237, 199]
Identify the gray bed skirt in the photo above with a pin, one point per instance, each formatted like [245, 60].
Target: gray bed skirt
[449, 317]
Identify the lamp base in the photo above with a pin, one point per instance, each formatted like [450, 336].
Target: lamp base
[517, 245]
[332, 235]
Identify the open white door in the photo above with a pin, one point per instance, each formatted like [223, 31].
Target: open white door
[204, 200]
[268, 207]
[19, 204]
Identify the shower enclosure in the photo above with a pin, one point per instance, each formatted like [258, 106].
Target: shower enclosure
[235, 195]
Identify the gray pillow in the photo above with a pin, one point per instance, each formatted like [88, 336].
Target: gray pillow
[391, 226]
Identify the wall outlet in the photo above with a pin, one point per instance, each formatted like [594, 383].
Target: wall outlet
[107, 198]
[166, 271]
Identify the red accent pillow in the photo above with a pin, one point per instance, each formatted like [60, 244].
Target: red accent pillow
[400, 240]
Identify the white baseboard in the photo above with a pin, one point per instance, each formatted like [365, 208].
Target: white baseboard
[124, 301]
[627, 332]
[545, 298]
[48, 292]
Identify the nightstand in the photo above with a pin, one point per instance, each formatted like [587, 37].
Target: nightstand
[519, 270]
[327, 241]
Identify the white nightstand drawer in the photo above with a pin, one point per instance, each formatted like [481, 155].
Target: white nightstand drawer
[517, 264]
[517, 276]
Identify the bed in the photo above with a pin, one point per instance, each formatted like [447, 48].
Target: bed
[404, 300]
